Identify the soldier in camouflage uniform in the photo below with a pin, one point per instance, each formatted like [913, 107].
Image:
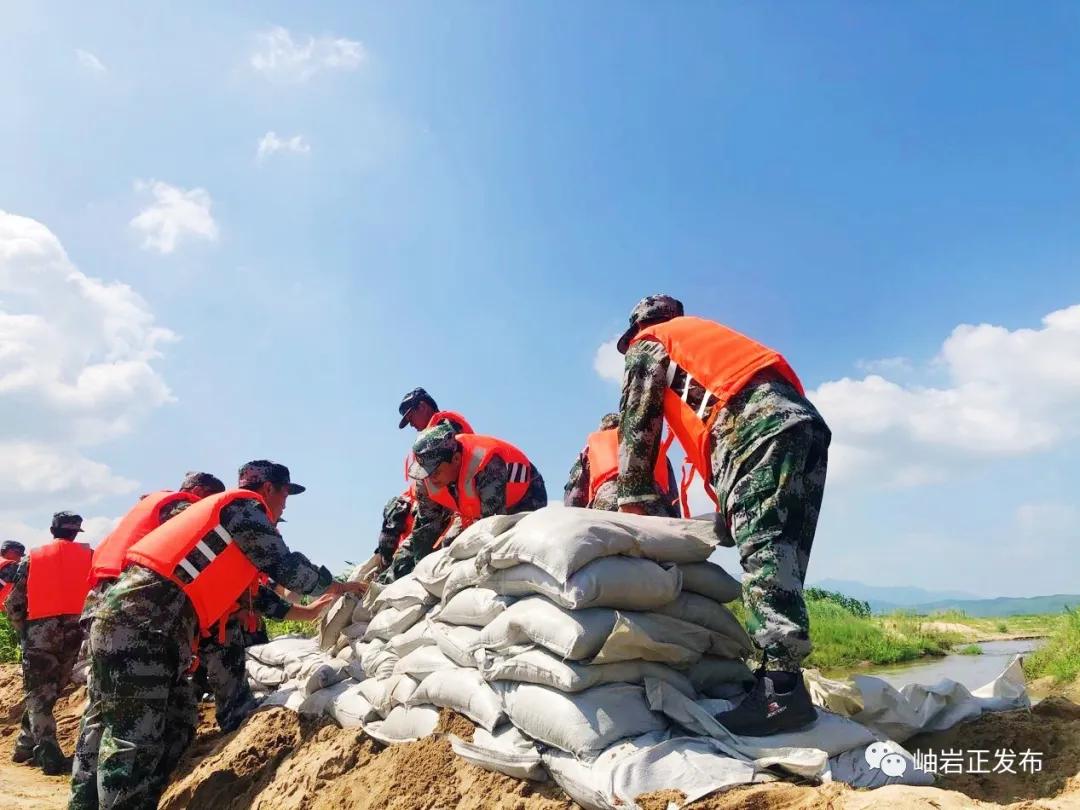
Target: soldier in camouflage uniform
[84, 768]
[50, 647]
[223, 653]
[11, 552]
[769, 453]
[141, 643]
[576, 491]
[435, 452]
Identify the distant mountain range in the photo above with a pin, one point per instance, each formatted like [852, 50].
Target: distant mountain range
[885, 599]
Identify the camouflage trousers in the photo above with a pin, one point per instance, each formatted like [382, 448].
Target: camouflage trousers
[50, 648]
[770, 485]
[141, 718]
[607, 500]
[226, 675]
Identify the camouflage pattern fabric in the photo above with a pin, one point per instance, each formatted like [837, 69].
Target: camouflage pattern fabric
[50, 648]
[432, 518]
[141, 647]
[769, 459]
[394, 516]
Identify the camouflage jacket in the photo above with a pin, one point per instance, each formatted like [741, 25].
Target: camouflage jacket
[765, 407]
[140, 597]
[576, 491]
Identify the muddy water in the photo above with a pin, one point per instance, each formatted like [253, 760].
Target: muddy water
[972, 671]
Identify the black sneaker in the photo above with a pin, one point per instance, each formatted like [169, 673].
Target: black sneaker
[765, 711]
[20, 755]
[51, 759]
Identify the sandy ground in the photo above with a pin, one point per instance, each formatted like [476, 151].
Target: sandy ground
[278, 761]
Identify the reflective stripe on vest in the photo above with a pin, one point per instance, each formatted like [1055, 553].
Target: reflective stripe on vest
[5, 588]
[196, 553]
[602, 452]
[142, 519]
[59, 579]
[476, 452]
[708, 365]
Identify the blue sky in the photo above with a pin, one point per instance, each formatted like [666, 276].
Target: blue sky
[471, 197]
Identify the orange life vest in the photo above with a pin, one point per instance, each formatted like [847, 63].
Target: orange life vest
[722, 361]
[410, 516]
[58, 581]
[143, 518]
[602, 452]
[476, 452]
[450, 416]
[5, 588]
[194, 552]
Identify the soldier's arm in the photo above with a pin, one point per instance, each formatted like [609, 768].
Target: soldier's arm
[576, 491]
[16, 605]
[395, 514]
[246, 520]
[641, 420]
[491, 487]
[431, 521]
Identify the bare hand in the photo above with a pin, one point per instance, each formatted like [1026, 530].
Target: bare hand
[632, 508]
[337, 588]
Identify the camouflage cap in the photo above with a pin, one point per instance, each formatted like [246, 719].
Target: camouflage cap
[410, 401]
[12, 545]
[202, 480]
[431, 448]
[651, 309]
[66, 521]
[609, 421]
[262, 471]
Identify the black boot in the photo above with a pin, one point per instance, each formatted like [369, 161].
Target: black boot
[20, 754]
[778, 703]
[51, 759]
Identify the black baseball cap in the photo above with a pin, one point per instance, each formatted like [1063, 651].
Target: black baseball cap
[410, 401]
[262, 471]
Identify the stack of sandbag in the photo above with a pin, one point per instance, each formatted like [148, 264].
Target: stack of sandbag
[292, 662]
[589, 647]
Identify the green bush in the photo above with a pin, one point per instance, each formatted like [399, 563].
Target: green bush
[284, 627]
[970, 649]
[9, 642]
[855, 607]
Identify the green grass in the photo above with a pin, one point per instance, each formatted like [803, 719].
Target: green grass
[1002, 627]
[843, 639]
[1060, 658]
[970, 649]
[283, 627]
[9, 642]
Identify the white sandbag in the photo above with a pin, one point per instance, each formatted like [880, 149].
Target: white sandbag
[541, 667]
[720, 677]
[335, 620]
[391, 621]
[709, 579]
[506, 751]
[582, 724]
[463, 574]
[614, 582]
[895, 766]
[416, 636]
[652, 637]
[404, 724]
[362, 613]
[474, 606]
[384, 695]
[345, 654]
[464, 691]
[695, 766]
[275, 653]
[457, 642]
[403, 593]
[482, 534]
[263, 674]
[431, 572]
[350, 708]
[698, 609]
[298, 668]
[378, 661]
[355, 631]
[561, 541]
[569, 634]
[314, 704]
[423, 661]
[355, 669]
[288, 696]
[325, 674]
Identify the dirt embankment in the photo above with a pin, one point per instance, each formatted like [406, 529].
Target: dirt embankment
[277, 761]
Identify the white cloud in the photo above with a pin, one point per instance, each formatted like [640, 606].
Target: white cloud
[1010, 393]
[90, 61]
[608, 362]
[279, 56]
[174, 215]
[76, 369]
[271, 143]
